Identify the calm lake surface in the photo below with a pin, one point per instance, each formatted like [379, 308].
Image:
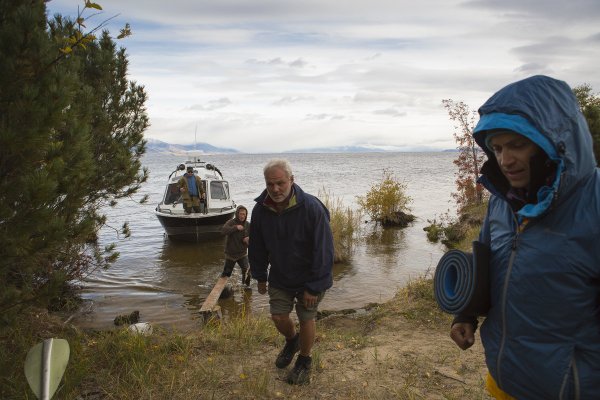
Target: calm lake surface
[168, 281]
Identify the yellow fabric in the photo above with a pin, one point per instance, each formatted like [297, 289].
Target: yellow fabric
[495, 391]
[292, 202]
[523, 224]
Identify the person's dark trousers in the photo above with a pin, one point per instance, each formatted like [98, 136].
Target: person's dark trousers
[228, 267]
[244, 265]
[193, 208]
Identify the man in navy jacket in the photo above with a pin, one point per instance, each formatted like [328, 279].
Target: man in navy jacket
[290, 232]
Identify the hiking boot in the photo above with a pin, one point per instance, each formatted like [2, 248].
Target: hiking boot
[300, 374]
[286, 355]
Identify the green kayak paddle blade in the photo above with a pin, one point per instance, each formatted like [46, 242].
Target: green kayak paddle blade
[45, 365]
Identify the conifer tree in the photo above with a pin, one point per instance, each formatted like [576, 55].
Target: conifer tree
[71, 139]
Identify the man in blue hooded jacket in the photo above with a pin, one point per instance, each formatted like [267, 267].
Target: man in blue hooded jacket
[542, 333]
[290, 232]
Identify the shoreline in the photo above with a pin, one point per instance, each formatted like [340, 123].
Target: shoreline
[398, 349]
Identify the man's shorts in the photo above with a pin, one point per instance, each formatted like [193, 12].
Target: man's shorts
[282, 302]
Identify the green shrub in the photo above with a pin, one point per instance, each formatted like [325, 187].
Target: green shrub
[458, 232]
[386, 202]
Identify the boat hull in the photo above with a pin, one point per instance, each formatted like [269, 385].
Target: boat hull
[194, 227]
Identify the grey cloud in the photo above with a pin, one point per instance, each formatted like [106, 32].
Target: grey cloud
[593, 38]
[533, 68]
[298, 63]
[291, 99]
[389, 94]
[357, 61]
[324, 117]
[373, 57]
[392, 112]
[583, 10]
[272, 61]
[553, 45]
[212, 105]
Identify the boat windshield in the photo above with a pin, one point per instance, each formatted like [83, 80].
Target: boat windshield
[172, 194]
[219, 190]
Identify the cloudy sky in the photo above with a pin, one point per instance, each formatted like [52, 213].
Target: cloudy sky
[273, 75]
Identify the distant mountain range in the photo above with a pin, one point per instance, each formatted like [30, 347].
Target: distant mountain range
[158, 146]
[363, 149]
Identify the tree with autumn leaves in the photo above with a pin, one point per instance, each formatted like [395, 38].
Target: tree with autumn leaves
[470, 196]
[470, 158]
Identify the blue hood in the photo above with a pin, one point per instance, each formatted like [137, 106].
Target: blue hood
[542, 333]
[553, 122]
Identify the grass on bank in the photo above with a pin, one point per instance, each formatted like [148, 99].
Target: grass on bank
[234, 358]
[458, 232]
[345, 226]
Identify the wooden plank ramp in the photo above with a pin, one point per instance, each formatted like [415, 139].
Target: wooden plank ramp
[210, 304]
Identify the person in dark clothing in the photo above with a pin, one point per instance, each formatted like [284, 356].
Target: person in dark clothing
[541, 334]
[291, 248]
[192, 191]
[237, 231]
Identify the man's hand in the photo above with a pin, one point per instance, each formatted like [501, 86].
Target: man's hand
[240, 227]
[262, 287]
[246, 240]
[181, 189]
[310, 300]
[463, 334]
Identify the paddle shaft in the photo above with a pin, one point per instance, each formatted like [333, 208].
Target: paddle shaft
[47, 350]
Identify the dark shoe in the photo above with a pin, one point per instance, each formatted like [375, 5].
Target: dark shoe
[300, 374]
[286, 355]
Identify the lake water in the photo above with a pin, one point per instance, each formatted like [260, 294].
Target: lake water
[168, 281]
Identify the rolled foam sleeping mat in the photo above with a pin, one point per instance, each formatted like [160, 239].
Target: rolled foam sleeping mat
[461, 281]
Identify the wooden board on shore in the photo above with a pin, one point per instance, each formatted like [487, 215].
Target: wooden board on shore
[213, 296]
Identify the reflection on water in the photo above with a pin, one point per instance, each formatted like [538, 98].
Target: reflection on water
[168, 281]
[238, 304]
[385, 244]
[386, 240]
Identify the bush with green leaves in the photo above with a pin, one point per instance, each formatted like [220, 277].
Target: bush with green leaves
[589, 104]
[387, 202]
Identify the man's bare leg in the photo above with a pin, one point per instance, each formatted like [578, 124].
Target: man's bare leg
[307, 336]
[284, 325]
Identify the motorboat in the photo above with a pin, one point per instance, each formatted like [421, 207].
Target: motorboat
[218, 207]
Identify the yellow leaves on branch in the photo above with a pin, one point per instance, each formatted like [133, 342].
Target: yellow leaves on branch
[81, 40]
[89, 4]
[78, 39]
[125, 32]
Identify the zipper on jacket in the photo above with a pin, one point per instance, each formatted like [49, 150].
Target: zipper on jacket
[503, 301]
[572, 368]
